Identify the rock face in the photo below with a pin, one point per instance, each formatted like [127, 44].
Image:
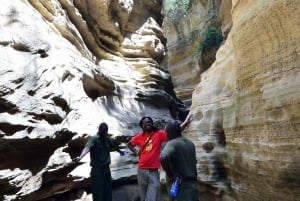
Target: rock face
[246, 106]
[194, 33]
[66, 66]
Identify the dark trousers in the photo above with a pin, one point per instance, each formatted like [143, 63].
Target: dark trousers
[101, 184]
[188, 191]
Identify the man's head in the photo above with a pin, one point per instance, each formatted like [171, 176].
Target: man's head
[146, 123]
[173, 129]
[102, 129]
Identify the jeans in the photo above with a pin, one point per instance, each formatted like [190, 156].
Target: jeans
[148, 183]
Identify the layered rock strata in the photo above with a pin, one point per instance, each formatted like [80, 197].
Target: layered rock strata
[66, 66]
[194, 34]
[246, 106]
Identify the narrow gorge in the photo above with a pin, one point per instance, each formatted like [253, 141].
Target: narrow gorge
[67, 65]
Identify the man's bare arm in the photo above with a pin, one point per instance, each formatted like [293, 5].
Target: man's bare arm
[134, 151]
[83, 153]
[187, 121]
[164, 161]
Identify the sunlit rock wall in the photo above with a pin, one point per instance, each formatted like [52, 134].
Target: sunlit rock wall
[66, 66]
[194, 33]
[246, 107]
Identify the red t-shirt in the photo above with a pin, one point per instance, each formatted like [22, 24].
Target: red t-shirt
[149, 157]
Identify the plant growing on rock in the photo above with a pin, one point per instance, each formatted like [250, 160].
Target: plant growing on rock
[174, 7]
[212, 38]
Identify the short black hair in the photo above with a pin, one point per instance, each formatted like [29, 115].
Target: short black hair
[103, 127]
[173, 129]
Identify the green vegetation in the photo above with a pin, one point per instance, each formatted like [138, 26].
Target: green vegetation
[175, 7]
[212, 37]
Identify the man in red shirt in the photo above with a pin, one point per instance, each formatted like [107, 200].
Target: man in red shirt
[149, 142]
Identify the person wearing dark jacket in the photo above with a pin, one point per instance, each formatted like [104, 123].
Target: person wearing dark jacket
[99, 147]
[178, 159]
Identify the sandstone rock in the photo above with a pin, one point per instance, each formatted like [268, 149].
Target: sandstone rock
[66, 66]
[247, 105]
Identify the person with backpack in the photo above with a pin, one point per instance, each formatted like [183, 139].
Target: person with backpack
[99, 147]
[149, 143]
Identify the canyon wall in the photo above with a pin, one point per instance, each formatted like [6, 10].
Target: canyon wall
[246, 104]
[68, 65]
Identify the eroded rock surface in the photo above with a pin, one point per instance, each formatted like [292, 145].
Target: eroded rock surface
[246, 106]
[66, 66]
[194, 34]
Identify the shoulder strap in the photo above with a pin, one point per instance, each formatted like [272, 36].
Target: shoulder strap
[147, 142]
